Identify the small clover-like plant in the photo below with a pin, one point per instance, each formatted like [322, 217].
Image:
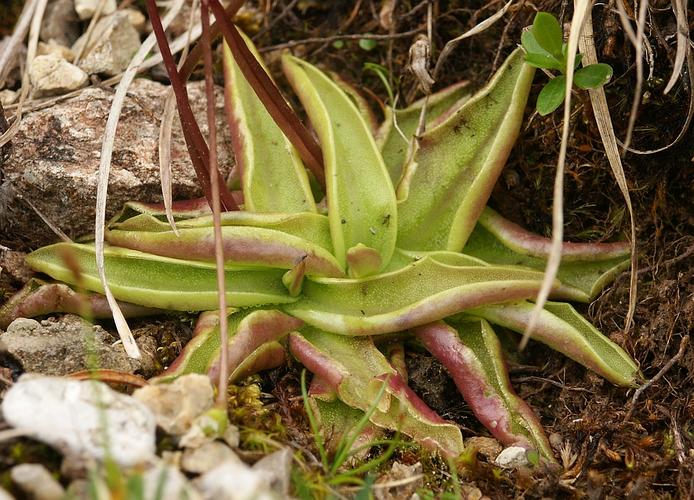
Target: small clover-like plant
[545, 49]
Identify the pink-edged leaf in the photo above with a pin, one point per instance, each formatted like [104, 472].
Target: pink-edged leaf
[38, 298]
[424, 291]
[244, 246]
[585, 269]
[455, 165]
[273, 176]
[563, 329]
[471, 353]
[252, 347]
[356, 370]
[268, 93]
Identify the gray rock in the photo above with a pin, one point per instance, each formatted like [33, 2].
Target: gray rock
[36, 482]
[54, 159]
[206, 457]
[111, 45]
[59, 347]
[512, 457]
[60, 23]
[50, 74]
[85, 8]
[70, 415]
[177, 405]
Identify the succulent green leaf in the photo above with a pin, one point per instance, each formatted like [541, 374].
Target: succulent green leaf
[307, 226]
[472, 354]
[593, 76]
[563, 329]
[273, 176]
[154, 281]
[424, 291]
[446, 185]
[243, 247]
[357, 371]
[338, 420]
[252, 344]
[400, 125]
[586, 268]
[361, 200]
[39, 297]
[548, 33]
[552, 95]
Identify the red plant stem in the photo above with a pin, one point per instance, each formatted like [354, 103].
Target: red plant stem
[195, 53]
[216, 206]
[197, 149]
[270, 95]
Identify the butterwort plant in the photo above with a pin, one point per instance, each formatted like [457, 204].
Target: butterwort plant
[394, 250]
[545, 48]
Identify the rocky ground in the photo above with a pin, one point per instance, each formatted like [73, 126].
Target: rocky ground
[608, 445]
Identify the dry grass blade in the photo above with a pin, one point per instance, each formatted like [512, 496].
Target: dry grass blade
[480, 27]
[215, 180]
[686, 51]
[90, 30]
[637, 41]
[104, 170]
[680, 10]
[581, 10]
[18, 34]
[604, 122]
[165, 131]
[34, 32]
[270, 96]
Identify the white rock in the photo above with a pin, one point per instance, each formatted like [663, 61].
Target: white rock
[111, 46]
[8, 96]
[68, 414]
[276, 468]
[178, 404]
[512, 458]
[4, 495]
[85, 8]
[52, 47]
[51, 74]
[233, 480]
[206, 457]
[172, 482]
[36, 482]
[137, 19]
